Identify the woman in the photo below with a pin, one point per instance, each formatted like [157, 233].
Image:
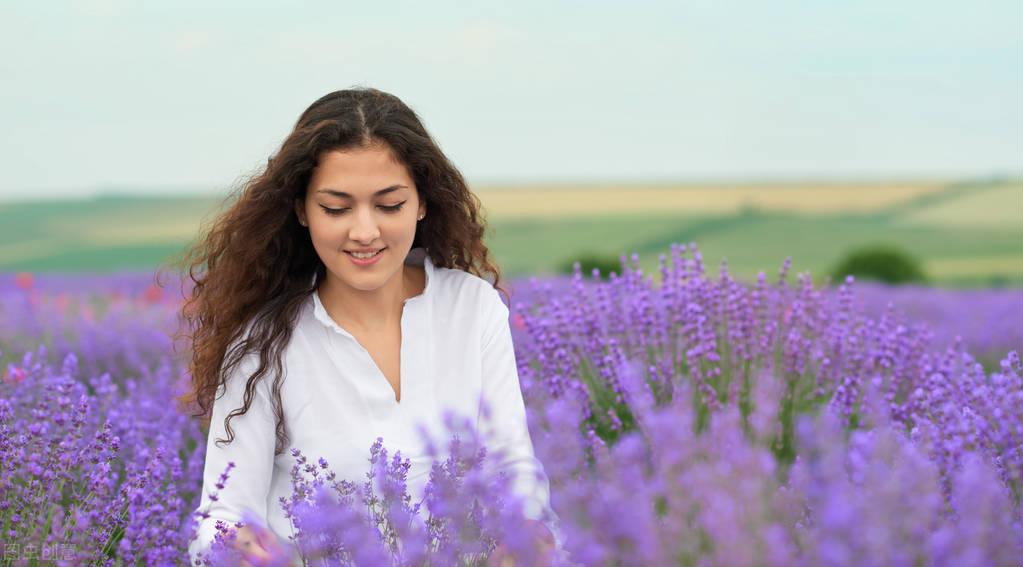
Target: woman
[341, 299]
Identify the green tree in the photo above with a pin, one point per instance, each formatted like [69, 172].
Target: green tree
[883, 262]
[604, 262]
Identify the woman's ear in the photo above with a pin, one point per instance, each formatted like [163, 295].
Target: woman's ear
[300, 212]
[422, 211]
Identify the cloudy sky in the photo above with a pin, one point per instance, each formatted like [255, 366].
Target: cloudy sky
[161, 97]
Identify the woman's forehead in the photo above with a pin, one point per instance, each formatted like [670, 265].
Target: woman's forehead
[359, 171]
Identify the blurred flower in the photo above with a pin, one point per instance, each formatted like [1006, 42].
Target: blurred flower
[24, 280]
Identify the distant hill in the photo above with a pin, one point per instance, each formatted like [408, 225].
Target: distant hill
[966, 232]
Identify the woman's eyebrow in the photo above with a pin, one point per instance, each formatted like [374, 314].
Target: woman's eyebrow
[383, 191]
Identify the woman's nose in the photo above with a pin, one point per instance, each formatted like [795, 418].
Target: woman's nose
[364, 228]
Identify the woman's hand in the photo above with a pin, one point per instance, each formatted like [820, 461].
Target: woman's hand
[260, 547]
[543, 540]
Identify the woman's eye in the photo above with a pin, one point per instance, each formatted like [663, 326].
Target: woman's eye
[392, 208]
[331, 211]
[386, 208]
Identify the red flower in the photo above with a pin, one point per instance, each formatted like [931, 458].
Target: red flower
[152, 294]
[519, 321]
[15, 375]
[24, 280]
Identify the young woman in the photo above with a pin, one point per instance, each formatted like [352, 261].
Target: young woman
[341, 298]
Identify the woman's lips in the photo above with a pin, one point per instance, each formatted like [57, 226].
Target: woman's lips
[364, 261]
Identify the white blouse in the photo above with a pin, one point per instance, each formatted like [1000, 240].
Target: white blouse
[456, 354]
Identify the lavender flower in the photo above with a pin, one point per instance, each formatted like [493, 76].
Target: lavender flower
[683, 418]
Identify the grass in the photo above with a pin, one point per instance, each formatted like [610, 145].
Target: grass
[103, 234]
[760, 242]
[101, 259]
[536, 230]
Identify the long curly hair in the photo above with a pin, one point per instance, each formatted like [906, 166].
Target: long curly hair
[254, 265]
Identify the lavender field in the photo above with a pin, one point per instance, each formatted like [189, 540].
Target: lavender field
[683, 417]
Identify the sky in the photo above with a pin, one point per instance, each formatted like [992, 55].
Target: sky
[179, 97]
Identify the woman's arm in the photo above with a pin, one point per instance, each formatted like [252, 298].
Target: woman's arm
[505, 432]
[251, 451]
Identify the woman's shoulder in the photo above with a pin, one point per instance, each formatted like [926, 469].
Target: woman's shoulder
[452, 284]
[447, 283]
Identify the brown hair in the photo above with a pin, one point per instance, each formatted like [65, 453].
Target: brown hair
[254, 266]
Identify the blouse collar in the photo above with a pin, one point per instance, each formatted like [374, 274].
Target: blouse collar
[416, 257]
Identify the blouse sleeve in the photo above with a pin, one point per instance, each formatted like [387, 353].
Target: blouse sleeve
[504, 430]
[251, 451]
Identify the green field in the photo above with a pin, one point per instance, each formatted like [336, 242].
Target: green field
[965, 233]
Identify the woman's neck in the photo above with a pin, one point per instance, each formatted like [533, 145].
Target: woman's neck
[374, 310]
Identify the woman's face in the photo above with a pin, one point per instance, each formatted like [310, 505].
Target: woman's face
[361, 207]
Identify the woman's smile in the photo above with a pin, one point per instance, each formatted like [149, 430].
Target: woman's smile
[362, 208]
[365, 257]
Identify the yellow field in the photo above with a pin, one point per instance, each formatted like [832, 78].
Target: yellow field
[146, 230]
[987, 207]
[704, 199]
[959, 267]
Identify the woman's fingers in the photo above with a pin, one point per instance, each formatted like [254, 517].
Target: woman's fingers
[257, 543]
[500, 558]
[543, 539]
[541, 534]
